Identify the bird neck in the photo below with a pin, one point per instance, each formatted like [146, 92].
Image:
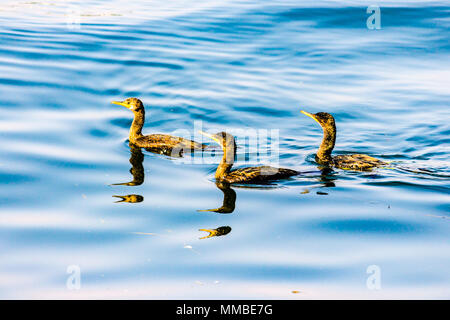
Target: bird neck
[227, 162]
[136, 126]
[327, 145]
[229, 199]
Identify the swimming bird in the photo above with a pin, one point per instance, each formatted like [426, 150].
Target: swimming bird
[159, 143]
[358, 162]
[260, 174]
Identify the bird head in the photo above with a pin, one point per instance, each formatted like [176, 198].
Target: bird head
[225, 140]
[323, 118]
[134, 104]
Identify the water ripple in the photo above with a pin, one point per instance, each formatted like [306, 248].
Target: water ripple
[223, 65]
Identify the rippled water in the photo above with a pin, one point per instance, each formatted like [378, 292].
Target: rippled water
[223, 65]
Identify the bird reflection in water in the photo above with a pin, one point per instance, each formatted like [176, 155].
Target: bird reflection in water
[137, 167]
[221, 231]
[131, 198]
[228, 206]
[229, 199]
[137, 171]
[326, 179]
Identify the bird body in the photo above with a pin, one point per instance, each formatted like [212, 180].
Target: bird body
[261, 174]
[159, 143]
[357, 162]
[164, 140]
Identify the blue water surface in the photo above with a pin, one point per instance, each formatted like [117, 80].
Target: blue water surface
[244, 67]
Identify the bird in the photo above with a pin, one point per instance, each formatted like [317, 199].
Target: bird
[356, 162]
[158, 143]
[261, 174]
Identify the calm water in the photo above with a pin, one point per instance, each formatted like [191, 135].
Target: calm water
[225, 65]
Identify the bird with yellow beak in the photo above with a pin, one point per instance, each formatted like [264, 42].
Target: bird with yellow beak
[158, 143]
[261, 174]
[358, 162]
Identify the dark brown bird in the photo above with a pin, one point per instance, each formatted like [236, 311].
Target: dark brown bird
[159, 143]
[260, 174]
[358, 162]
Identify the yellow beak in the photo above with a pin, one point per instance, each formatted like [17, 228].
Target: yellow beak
[121, 104]
[212, 233]
[210, 136]
[309, 115]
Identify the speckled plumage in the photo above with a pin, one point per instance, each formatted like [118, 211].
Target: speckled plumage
[260, 174]
[357, 162]
[137, 167]
[221, 231]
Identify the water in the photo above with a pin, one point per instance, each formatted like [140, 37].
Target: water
[223, 65]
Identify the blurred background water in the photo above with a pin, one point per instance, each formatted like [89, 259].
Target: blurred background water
[226, 65]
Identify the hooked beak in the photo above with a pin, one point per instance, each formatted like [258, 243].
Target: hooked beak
[210, 136]
[309, 115]
[123, 104]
